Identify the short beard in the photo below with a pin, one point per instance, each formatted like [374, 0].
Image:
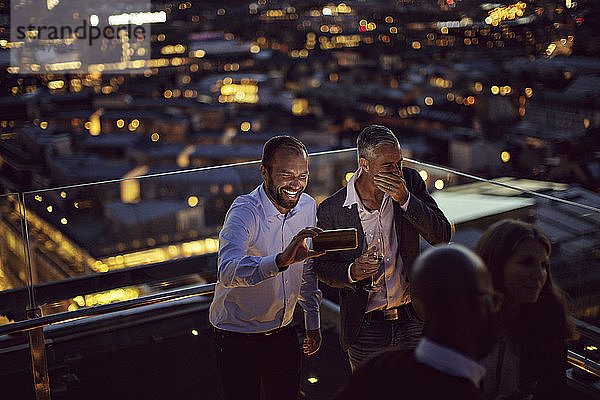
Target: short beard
[279, 197]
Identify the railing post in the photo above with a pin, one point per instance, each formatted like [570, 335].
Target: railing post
[39, 362]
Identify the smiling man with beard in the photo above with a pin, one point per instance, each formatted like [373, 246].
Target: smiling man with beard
[264, 269]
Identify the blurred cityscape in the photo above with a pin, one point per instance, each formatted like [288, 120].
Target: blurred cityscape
[505, 90]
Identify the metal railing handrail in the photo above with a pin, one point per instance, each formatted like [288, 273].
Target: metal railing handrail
[573, 358]
[176, 172]
[52, 319]
[583, 363]
[327, 152]
[505, 185]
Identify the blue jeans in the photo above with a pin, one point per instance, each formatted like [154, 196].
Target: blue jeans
[376, 335]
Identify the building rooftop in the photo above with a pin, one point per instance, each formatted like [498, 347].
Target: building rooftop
[460, 208]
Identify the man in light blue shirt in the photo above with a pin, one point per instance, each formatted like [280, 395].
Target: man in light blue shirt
[264, 269]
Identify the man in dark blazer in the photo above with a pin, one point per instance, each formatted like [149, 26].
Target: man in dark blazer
[452, 291]
[390, 207]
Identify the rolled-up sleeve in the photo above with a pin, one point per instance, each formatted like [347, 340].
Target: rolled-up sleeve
[235, 267]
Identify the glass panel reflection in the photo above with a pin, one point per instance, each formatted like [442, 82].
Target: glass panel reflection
[167, 222]
[14, 274]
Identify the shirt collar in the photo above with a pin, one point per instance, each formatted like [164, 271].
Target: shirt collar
[351, 195]
[448, 361]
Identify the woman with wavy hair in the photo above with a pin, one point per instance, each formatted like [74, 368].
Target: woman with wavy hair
[529, 361]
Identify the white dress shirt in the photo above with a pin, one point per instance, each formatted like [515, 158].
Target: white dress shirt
[448, 361]
[393, 286]
[251, 294]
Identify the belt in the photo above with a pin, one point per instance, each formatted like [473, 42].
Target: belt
[254, 334]
[391, 314]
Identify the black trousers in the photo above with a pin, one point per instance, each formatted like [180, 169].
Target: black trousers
[245, 361]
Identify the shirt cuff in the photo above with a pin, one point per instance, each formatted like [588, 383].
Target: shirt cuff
[312, 320]
[268, 266]
[350, 275]
[405, 205]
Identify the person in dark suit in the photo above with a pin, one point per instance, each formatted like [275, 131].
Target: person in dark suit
[390, 207]
[452, 290]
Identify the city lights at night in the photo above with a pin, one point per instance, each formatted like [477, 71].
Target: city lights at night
[128, 128]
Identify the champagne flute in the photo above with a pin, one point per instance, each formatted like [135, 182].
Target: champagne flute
[375, 258]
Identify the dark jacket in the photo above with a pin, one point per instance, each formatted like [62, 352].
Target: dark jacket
[423, 217]
[397, 371]
[541, 371]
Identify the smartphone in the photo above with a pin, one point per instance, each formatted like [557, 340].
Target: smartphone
[336, 239]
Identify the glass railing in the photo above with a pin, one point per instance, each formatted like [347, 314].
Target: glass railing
[123, 269]
[15, 277]
[15, 289]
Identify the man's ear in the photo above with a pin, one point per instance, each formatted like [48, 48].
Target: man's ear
[264, 172]
[364, 163]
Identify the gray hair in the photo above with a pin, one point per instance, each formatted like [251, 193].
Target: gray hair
[371, 137]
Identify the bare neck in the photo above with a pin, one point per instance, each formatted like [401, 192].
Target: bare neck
[370, 196]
